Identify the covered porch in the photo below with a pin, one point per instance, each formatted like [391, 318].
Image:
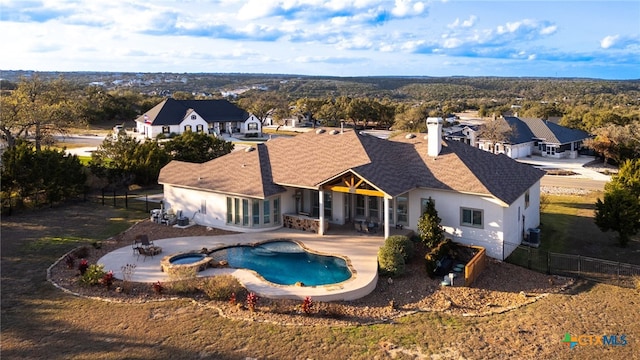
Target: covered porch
[349, 204]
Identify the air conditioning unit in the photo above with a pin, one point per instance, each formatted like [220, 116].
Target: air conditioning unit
[533, 238]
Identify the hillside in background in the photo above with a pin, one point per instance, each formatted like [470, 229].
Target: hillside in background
[396, 88]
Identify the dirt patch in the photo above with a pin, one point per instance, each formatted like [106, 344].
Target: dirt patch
[559, 172]
[501, 287]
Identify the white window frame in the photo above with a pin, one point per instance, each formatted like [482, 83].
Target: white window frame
[473, 213]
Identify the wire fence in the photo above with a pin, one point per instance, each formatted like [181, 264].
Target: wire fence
[599, 270]
[135, 201]
[125, 199]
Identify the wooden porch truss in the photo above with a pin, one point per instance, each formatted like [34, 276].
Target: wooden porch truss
[352, 184]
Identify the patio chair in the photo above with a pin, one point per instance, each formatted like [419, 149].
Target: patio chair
[369, 227]
[143, 246]
[141, 242]
[358, 226]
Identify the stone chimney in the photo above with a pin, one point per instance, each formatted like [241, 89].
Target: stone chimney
[434, 129]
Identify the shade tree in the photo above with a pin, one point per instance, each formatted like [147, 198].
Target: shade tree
[619, 211]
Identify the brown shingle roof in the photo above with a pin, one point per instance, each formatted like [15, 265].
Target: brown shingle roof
[309, 159]
[394, 166]
[241, 172]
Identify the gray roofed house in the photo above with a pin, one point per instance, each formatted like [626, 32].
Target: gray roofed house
[534, 137]
[333, 176]
[210, 116]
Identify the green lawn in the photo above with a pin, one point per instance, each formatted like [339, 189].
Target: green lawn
[567, 226]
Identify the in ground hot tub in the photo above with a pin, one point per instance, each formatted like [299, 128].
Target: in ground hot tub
[183, 263]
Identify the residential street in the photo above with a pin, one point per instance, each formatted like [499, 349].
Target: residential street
[587, 178]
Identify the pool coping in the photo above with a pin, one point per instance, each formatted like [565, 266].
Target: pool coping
[361, 252]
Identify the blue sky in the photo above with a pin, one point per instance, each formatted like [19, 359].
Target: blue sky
[596, 39]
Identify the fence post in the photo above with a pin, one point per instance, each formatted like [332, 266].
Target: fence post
[618, 272]
[126, 200]
[548, 263]
[114, 198]
[579, 262]
[103, 197]
[146, 202]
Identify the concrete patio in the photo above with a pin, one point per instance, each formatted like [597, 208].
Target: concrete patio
[359, 249]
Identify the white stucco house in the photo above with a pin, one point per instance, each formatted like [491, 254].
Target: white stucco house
[531, 137]
[332, 176]
[211, 116]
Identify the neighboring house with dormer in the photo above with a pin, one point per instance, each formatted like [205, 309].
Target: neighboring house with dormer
[467, 134]
[217, 117]
[529, 137]
[330, 177]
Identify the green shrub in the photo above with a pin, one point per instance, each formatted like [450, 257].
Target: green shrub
[93, 275]
[221, 287]
[429, 227]
[403, 243]
[446, 247]
[391, 261]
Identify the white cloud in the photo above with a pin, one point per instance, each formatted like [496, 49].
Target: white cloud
[548, 30]
[357, 42]
[256, 9]
[452, 43]
[404, 8]
[609, 41]
[464, 23]
[509, 27]
[387, 48]
[412, 45]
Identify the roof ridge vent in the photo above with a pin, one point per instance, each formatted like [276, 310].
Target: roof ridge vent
[249, 149]
[410, 136]
[320, 131]
[334, 132]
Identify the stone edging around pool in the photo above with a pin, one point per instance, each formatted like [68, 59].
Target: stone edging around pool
[177, 269]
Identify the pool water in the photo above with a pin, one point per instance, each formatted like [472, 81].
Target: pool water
[187, 259]
[286, 263]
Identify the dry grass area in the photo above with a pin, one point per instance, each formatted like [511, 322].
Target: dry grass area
[40, 321]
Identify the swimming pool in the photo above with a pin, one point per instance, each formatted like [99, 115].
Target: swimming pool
[285, 262]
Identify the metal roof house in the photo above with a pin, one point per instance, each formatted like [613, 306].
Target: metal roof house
[334, 176]
[217, 117]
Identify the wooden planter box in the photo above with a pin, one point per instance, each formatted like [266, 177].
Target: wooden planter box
[475, 266]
